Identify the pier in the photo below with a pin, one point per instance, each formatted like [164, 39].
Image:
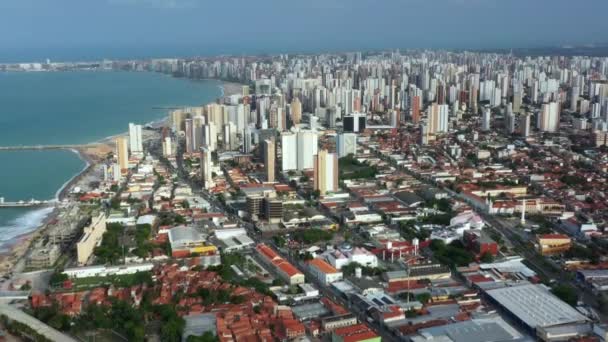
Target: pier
[41, 147]
[24, 204]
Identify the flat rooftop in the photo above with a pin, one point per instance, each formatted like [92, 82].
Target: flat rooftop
[535, 306]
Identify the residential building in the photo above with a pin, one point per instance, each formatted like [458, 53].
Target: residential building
[325, 172]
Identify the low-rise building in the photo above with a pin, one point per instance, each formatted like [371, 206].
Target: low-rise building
[355, 333]
[282, 267]
[186, 240]
[324, 272]
[90, 238]
[550, 244]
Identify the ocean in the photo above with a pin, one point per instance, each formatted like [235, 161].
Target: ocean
[73, 108]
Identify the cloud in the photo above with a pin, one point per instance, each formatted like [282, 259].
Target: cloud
[169, 4]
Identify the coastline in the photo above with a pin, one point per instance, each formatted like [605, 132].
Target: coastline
[14, 250]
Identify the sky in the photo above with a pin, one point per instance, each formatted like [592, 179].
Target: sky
[152, 28]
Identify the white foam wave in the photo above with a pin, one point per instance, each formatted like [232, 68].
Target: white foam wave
[23, 224]
[86, 165]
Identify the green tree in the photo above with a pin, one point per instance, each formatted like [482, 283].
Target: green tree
[566, 293]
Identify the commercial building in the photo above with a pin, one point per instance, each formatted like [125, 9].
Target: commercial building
[324, 272]
[325, 172]
[186, 240]
[90, 238]
[345, 256]
[491, 328]
[339, 321]
[534, 307]
[419, 272]
[346, 143]
[550, 244]
[282, 267]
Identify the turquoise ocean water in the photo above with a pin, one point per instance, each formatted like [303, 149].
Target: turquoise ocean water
[73, 108]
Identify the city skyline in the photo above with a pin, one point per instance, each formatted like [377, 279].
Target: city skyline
[165, 28]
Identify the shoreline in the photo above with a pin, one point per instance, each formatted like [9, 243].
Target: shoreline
[13, 250]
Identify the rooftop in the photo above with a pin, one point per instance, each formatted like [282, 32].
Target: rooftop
[535, 305]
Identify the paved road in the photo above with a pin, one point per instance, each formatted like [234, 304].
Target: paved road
[38, 326]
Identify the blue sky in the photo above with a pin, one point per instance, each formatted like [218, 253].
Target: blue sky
[254, 26]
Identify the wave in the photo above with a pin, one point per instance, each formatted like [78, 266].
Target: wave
[23, 224]
[86, 165]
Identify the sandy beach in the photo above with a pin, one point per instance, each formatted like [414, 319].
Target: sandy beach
[93, 153]
[16, 249]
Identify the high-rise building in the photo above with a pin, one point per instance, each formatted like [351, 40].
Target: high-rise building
[485, 119]
[135, 141]
[122, 153]
[600, 138]
[167, 147]
[209, 136]
[346, 143]
[325, 172]
[296, 111]
[438, 117]
[355, 122]
[289, 151]
[574, 93]
[206, 166]
[415, 109]
[189, 130]
[524, 125]
[548, 117]
[269, 160]
[247, 140]
[307, 146]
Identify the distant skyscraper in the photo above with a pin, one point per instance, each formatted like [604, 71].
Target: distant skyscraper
[135, 141]
[269, 160]
[122, 153]
[346, 143]
[325, 172]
